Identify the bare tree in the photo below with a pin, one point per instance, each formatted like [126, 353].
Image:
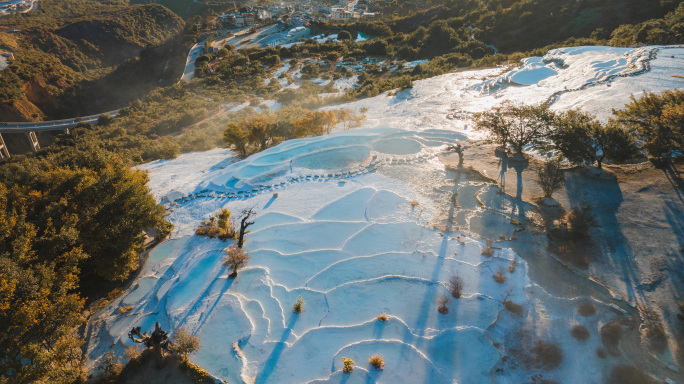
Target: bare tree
[158, 340]
[244, 223]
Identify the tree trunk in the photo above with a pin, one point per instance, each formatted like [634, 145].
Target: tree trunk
[158, 355]
[241, 237]
[599, 161]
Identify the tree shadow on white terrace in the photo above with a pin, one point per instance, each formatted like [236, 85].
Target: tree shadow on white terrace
[272, 360]
[429, 301]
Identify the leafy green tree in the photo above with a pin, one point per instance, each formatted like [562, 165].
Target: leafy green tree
[184, 342]
[344, 35]
[658, 121]
[104, 119]
[550, 177]
[237, 136]
[69, 218]
[584, 140]
[236, 259]
[260, 131]
[617, 143]
[515, 124]
[581, 220]
[310, 71]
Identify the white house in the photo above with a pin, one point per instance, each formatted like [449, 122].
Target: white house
[341, 14]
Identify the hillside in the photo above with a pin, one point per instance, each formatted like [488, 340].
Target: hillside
[527, 24]
[186, 9]
[342, 143]
[62, 69]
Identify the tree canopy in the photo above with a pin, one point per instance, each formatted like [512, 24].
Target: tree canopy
[658, 121]
[69, 218]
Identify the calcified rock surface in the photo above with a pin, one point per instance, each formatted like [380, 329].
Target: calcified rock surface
[369, 221]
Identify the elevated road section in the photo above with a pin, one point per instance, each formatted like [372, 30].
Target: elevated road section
[30, 129]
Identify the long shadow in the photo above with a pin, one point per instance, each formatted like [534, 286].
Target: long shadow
[272, 360]
[674, 177]
[223, 164]
[378, 329]
[519, 204]
[373, 376]
[431, 295]
[205, 315]
[605, 196]
[675, 217]
[503, 166]
[268, 204]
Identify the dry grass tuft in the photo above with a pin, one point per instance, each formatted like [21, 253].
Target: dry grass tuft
[456, 285]
[511, 268]
[586, 308]
[348, 365]
[546, 355]
[611, 333]
[513, 307]
[442, 301]
[298, 306]
[217, 226]
[488, 250]
[414, 203]
[382, 317]
[377, 362]
[580, 332]
[499, 276]
[601, 353]
[125, 310]
[626, 374]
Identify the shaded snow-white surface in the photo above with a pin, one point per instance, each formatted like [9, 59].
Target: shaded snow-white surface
[342, 234]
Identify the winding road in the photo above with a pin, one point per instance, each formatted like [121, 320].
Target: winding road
[52, 125]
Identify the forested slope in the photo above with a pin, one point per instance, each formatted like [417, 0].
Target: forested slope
[60, 59]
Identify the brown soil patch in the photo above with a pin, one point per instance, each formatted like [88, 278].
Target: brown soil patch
[625, 374]
[513, 307]
[546, 355]
[580, 332]
[610, 336]
[586, 308]
[601, 353]
[656, 337]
